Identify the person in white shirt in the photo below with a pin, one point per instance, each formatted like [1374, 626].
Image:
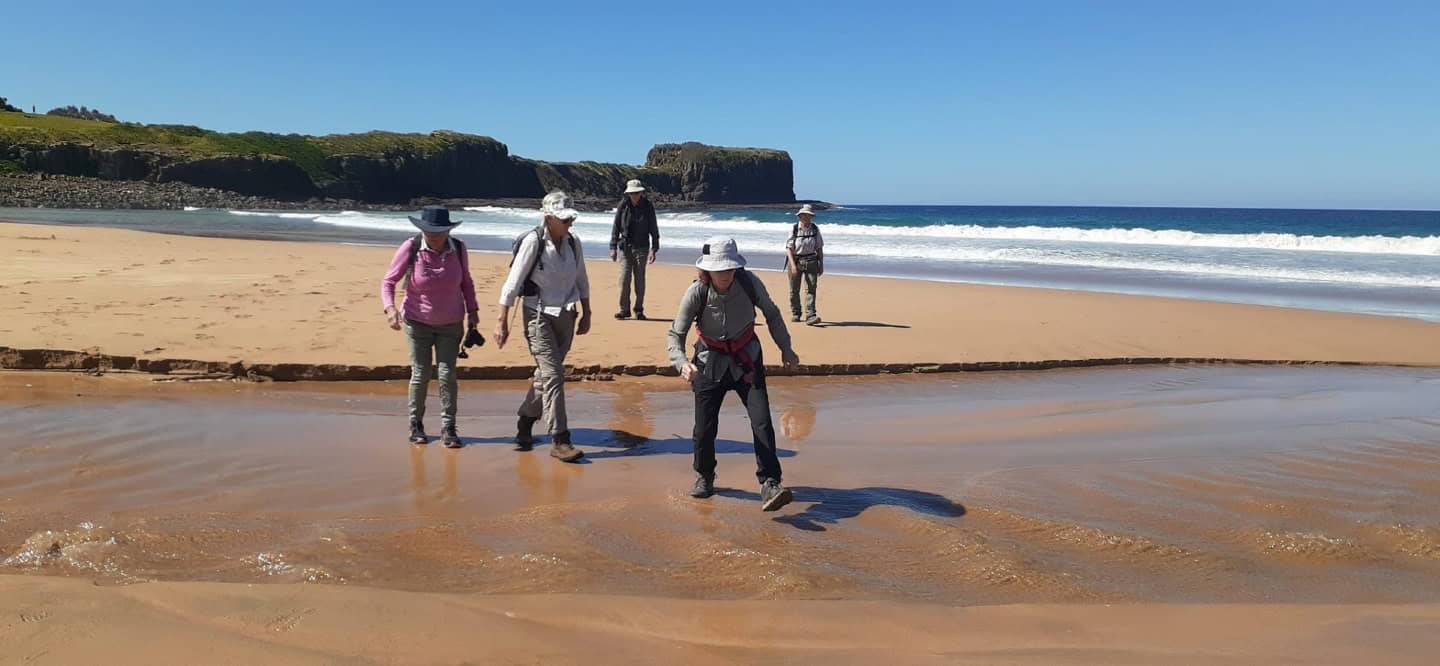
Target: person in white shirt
[548, 275]
[805, 262]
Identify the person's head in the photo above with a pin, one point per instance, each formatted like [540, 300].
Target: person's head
[435, 223]
[719, 259]
[558, 214]
[635, 190]
[806, 215]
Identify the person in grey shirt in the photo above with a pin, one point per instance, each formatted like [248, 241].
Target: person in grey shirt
[728, 357]
[805, 262]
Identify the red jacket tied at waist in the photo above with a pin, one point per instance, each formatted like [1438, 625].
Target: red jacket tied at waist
[735, 349]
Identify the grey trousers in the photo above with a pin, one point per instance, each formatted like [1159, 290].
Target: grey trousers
[439, 345]
[632, 266]
[812, 283]
[549, 339]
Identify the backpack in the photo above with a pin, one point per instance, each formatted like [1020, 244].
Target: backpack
[795, 232]
[419, 241]
[530, 289]
[742, 277]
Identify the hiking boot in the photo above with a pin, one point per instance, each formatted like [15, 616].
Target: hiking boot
[814, 320]
[563, 451]
[450, 438]
[773, 496]
[622, 315]
[417, 433]
[640, 315]
[795, 318]
[524, 440]
[704, 487]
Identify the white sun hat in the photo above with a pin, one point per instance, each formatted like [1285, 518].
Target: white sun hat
[805, 210]
[634, 186]
[557, 204]
[720, 254]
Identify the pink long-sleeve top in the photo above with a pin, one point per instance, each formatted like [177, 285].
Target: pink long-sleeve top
[440, 290]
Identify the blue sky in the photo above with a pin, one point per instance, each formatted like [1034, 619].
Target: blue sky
[1305, 104]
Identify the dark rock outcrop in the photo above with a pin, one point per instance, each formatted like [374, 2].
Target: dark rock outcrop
[726, 175]
[258, 175]
[463, 166]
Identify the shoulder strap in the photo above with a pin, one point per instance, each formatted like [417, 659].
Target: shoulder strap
[537, 262]
[574, 248]
[743, 277]
[414, 257]
[700, 308]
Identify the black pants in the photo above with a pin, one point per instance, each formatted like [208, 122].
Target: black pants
[709, 395]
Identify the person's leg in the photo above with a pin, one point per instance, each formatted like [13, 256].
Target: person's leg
[447, 347]
[709, 396]
[812, 284]
[625, 278]
[794, 292]
[641, 257]
[532, 407]
[422, 344]
[550, 339]
[756, 398]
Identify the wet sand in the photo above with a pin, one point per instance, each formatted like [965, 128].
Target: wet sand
[936, 520]
[157, 296]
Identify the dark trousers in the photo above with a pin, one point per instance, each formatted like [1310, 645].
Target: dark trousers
[709, 396]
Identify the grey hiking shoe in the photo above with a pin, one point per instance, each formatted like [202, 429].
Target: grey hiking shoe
[814, 320]
[562, 449]
[417, 433]
[450, 438]
[773, 496]
[524, 440]
[704, 487]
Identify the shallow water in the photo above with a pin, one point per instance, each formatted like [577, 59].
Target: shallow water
[1303, 484]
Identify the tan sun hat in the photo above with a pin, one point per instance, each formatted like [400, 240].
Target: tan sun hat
[805, 210]
[634, 186]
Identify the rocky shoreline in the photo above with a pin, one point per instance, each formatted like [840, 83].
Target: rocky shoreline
[54, 191]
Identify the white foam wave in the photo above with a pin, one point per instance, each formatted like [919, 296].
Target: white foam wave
[287, 216]
[191, 209]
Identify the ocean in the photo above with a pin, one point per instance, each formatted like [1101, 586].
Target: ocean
[1375, 262]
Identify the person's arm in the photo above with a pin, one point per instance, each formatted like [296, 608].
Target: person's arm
[392, 277]
[776, 323]
[654, 234]
[790, 252]
[467, 289]
[582, 280]
[615, 229]
[820, 251]
[680, 328]
[524, 259]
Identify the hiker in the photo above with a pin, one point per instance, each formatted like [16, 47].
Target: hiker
[548, 271]
[635, 241]
[805, 262]
[721, 306]
[439, 296]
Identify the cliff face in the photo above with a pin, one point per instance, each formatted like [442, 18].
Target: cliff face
[378, 167]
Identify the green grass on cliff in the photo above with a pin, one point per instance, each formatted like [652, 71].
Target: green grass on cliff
[189, 141]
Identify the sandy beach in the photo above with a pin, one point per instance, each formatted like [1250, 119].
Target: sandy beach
[156, 296]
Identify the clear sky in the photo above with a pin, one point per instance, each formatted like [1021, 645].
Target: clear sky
[1304, 104]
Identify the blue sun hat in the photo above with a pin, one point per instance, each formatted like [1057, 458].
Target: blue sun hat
[434, 219]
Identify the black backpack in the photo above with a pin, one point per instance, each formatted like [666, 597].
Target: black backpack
[795, 231]
[529, 288]
[742, 277]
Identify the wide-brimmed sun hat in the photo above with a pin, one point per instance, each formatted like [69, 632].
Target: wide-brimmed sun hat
[634, 186]
[434, 219]
[557, 204]
[720, 254]
[805, 210]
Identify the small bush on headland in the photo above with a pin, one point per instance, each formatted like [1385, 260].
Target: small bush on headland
[5, 106]
[82, 113]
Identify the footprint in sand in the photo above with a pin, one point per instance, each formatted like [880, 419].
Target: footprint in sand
[166, 261]
[156, 350]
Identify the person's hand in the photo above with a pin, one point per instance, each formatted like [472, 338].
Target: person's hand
[393, 317]
[653, 253]
[689, 372]
[584, 326]
[613, 255]
[794, 270]
[472, 320]
[502, 333]
[790, 360]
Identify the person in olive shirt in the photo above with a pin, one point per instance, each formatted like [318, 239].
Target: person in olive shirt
[634, 241]
[721, 306]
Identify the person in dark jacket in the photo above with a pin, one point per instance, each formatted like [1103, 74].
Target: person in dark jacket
[634, 242]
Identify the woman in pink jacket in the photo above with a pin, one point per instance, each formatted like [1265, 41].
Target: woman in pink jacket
[439, 297]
